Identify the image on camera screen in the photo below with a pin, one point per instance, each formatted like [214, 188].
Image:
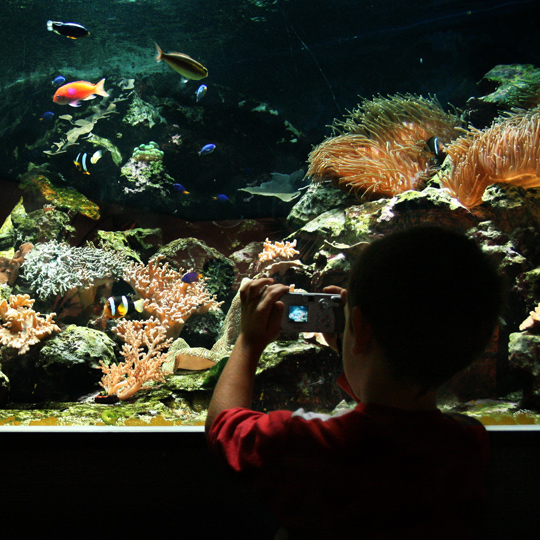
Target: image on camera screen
[298, 314]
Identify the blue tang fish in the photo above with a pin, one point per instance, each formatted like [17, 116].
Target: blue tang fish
[191, 277]
[47, 116]
[180, 188]
[57, 81]
[201, 91]
[207, 149]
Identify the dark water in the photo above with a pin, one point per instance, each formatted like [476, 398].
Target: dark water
[310, 59]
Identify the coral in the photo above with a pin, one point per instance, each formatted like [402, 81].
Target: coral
[532, 322]
[144, 343]
[53, 268]
[9, 268]
[166, 296]
[148, 152]
[381, 149]
[507, 152]
[278, 250]
[21, 325]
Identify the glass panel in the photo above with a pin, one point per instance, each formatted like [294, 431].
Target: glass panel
[138, 194]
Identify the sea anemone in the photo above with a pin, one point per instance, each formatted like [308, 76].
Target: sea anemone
[507, 152]
[380, 149]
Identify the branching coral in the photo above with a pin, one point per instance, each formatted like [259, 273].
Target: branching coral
[143, 350]
[9, 268]
[507, 152]
[21, 325]
[166, 296]
[278, 250]
[53, 268]
[381, 149]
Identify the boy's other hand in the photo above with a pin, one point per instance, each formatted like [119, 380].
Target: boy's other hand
[261, 311]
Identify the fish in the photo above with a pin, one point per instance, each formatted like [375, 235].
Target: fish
[117, 307]
[81, 161]
[180, 188]
[207, 149]
[72, 93]
[70, 30]
[201, 91]
[183, 64]
[436, 146]
[191, 277]
[57, 81]
[221, 198]
[47, 116]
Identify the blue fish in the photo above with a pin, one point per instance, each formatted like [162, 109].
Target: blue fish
[57, 81]
[221, 198]
[47, 116]
[207, 149]
[180, 188]
[191, 277]
[201, 91]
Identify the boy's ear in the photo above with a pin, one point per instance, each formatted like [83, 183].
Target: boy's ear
[362, 331]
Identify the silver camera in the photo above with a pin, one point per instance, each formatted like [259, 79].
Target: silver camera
[313, 312]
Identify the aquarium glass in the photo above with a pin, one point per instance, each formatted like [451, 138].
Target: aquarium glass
[156, 153]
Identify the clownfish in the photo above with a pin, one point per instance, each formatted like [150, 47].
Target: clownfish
[81, 161]
[117, 307]
[436, 147]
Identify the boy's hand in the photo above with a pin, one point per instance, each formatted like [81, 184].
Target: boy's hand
[261, 311]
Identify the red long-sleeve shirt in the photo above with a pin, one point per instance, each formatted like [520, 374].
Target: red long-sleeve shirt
[375, 472]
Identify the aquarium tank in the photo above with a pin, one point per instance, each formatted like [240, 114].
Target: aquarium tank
[157, 153]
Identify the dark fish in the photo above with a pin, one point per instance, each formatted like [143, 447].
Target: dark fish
[117, 307]
[57, 81]
[221, 198]
[436, 147]
[207, 149]
[183, 64]
[191, 277]
[69, 30]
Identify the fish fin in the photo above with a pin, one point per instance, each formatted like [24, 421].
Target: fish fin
[99, 88]
[159, 55]
[96, 157]
[89, 98]
[75, 104]
[139, 305]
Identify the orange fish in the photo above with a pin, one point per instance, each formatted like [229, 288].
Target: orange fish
[72, 93]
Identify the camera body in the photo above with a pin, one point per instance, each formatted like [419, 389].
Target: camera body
[313, 312]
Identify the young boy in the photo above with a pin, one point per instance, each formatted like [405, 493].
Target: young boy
[421, 305]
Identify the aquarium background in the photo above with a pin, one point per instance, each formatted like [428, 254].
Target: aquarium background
[280, 73]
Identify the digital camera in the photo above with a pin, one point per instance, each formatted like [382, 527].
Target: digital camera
[313, 312]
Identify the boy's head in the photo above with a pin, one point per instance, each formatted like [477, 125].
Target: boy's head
[432, 298]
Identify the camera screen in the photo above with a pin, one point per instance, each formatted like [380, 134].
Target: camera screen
[298, 314]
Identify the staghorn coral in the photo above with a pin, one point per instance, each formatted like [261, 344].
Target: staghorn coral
[54, 268]
[507, 152]
[21, 325]
[381, 148]
[166, 296]
[144, 343]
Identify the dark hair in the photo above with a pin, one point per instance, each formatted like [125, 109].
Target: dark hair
[433, 299]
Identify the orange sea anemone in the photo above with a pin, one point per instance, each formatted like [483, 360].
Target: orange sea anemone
[507, 152]
[380, 149]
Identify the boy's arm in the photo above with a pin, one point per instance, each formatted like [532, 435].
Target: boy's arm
[260, 325]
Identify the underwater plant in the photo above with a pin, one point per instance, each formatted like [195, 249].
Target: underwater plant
[507, 152]
[381, 149]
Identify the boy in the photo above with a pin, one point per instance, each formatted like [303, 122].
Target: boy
[421, 305]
